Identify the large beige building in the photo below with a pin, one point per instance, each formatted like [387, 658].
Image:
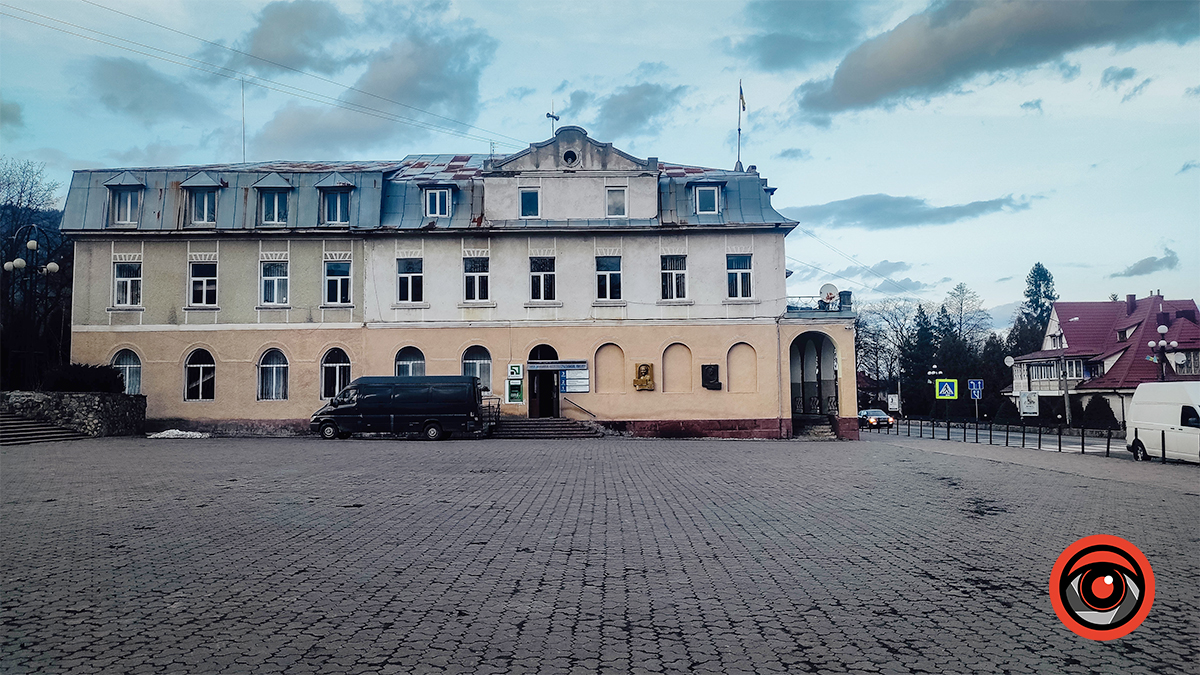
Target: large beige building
[574, 279]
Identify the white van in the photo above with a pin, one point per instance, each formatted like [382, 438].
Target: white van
[1164, 413]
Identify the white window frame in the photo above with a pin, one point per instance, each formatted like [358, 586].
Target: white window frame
[437, 202]
[127, 290]
[672, 279]
[131, 372]
[411, 368]
[274, 197]
[542, 282]
[607, 276]
[200, 369]
[406, 290]
[279, 290]
[471, 285]
[1043, 371]
[208, 216]
[608, 192]
[742, 278]
[344, 286]
[1190, 363]
[716, 190]
[521, 192]
[339, 218]
[208, 284]
[273, 377]
[479, 368]
[123, 200]
[336, 373]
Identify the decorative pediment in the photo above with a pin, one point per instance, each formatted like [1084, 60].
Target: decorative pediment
[201, 179]
[572, 149]
[335, 180]
[273, 181]
[125, 179]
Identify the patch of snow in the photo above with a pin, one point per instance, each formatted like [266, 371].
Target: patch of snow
[176, 433]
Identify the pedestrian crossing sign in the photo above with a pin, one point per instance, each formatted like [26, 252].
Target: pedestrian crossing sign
[946, 388]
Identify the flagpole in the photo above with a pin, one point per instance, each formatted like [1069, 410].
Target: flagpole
[738, 166]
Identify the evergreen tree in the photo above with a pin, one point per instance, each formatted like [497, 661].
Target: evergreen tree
[1029, 327]
[916, 358]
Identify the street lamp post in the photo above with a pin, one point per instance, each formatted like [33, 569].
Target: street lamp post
[17, 265]
[933, 373]
[1160, 351]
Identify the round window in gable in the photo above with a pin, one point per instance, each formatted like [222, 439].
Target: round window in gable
[570, 157]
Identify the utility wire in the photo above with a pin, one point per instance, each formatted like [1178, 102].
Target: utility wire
[302, 72]
[852, 260]
[214, 69]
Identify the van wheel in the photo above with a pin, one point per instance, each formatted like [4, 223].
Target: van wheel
[432, 432]
[328, 431]
[1139, 452]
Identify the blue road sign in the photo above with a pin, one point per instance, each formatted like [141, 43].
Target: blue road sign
[976, 394]
[975, 385]
[946, 388]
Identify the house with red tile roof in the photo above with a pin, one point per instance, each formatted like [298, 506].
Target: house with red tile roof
[1105, 348]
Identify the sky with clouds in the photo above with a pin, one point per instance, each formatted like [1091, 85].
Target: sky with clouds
[918, 144]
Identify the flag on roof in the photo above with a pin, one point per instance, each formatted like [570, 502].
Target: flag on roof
[741, 95]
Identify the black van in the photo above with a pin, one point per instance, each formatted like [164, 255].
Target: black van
[433, 407]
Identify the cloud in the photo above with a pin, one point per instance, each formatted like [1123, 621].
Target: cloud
[1136, 90]
[938, 50]
[636, 110]
[1032, 106]
[1188, 166]
[1002, 315]
[433, 67]
[793, 153]
[1145, 266]
[136, 90]
[519, 93]
[883, 268]
[884, 212]
[12, 118]
[1192, 91]
[295, 35]
[577, 102]
[1114, 77]
[158, 153]
[647, 69]
[1069, 71]
[905, 285]
[1003, 279]
[792, 35]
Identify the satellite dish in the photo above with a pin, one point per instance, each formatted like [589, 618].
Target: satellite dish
[1009, 361]
[829, 293]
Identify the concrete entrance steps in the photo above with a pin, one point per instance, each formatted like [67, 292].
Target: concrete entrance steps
[812, 428]
[20, 431]
[544, 428]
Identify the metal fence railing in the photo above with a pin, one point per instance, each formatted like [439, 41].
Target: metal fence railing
[1009, 435]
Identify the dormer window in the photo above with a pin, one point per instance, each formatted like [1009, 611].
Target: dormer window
[125, 203]
[707, 199]
[203, 206]
[437, 203]
[1123, 335]
[337, 207]
[274, 207]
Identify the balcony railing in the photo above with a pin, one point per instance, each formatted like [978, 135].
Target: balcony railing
[812, 303]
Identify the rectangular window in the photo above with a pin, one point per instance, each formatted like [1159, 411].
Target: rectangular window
[127, 289]
[1189, 364]
[737, 272]
[410, 284]
[204, 207]
[437, 203]
[530, 203]
[274, 283]
[616, 203]
[274, 207]
[541, 278]
[706, 199]
[608, 277]
[337, 207]
[1075, 369]
[475, 274]
[204, 284]
[1043, 371]
[125, 206]
[337, 283]
[674, 277]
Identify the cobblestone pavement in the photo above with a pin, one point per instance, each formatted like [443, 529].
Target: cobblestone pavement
[891, 555]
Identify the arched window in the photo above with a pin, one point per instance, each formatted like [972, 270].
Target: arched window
[610, 369]
[130, 367]
[410, 362]
[273, 376]
[477, 361]
[677, 368]
[200, 376]
[742, 368]
[335, 372]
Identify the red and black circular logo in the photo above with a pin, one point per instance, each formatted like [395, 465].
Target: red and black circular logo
[1102, 587]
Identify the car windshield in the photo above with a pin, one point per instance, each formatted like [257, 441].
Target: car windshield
[873, 413]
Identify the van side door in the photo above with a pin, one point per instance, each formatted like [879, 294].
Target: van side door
[409, 401]
[1183, 436]
[374, 403]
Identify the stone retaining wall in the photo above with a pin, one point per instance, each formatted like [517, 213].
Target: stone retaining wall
[93, 414]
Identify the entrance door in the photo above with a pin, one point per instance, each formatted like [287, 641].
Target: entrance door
[543, 384]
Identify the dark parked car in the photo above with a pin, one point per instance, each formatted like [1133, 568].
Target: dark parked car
[433, 407]
[875, 419]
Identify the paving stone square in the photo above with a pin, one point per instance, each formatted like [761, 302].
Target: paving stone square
[889, 555]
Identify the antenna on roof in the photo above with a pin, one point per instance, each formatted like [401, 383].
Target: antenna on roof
[552, 116]
[243, 120]
[741, 108]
